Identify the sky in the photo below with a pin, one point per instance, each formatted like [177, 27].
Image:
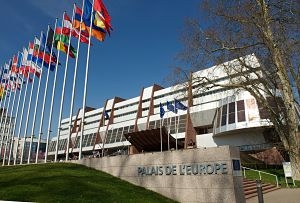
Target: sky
[140, 52]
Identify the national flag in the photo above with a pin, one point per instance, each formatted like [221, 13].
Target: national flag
[68, 27]
[102, 16]
[60, 35]
[15, 82]
[37, 56]
[45, 54]
[179, 105]
[49, 40]
[43, 42]
[77, 19]
[171, 107]
[87, 12]
[20, 58]
[2, 92]
[37, 43]
[161, 110]
[67, 23]
[64, 48]
[14, 67]
[59, 45]
[28, 65]
[97, 32]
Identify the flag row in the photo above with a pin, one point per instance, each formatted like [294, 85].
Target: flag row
[174, 108]
[90, 21]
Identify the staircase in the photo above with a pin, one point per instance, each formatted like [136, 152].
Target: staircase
[250, 189]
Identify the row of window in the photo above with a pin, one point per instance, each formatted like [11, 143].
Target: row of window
[5, 129]
[172, 124]
[117, 135]
[7, 121]
[232, 113]
[129, 105]
[169, 94]
[87, 140]
[125, 114]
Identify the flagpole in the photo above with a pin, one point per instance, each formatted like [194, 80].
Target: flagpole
[24, 136]
[169, 126]
[44, 99]
[161, 144]
[10, 122]
[63, 89]
[85, 84]
[15, 126]
[52, 102]
[22, 110]
[177, 132]
[2, 106]
[16, 114]
[5, 126]
[3, 95]
[73, 89]
[29, 106]
[2, 113]
[37, 94]
[1, 124]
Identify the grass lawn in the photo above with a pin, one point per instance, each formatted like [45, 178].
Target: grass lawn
[66, 182]
[253, 175]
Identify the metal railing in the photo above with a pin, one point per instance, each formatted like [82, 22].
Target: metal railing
[259, 173]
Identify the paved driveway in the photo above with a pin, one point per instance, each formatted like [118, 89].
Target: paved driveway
[279, 196]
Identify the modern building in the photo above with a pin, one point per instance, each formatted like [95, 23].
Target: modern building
[11, 148]
[6, 125]
[215, 116]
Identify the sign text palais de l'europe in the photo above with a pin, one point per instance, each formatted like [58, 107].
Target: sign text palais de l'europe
[183, 169]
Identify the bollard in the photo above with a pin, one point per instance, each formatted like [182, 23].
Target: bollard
[259, 191]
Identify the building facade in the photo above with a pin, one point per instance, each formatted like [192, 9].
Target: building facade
[214, 117]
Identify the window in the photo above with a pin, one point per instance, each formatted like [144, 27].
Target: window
[240, 110]
[108, 136]
[218, 117]
[231, 113]
[172, 125]
[77, 143]
[131, 128]
[224, 115]
[181, 124]
[151, 125]
[119, 134]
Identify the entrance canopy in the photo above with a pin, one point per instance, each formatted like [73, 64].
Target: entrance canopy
[150, 140]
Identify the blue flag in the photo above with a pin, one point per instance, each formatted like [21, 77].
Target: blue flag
[43, 42]
[171, 107]
[161, 110]
[179, 105]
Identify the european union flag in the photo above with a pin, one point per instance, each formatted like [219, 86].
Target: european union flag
[179, 105]
[161, 110]
[171, 107]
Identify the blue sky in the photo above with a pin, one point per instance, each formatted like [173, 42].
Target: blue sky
[139, 52]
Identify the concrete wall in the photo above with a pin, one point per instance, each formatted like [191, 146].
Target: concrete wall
[185, 184]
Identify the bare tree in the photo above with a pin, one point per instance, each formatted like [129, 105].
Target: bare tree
[270, 30]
